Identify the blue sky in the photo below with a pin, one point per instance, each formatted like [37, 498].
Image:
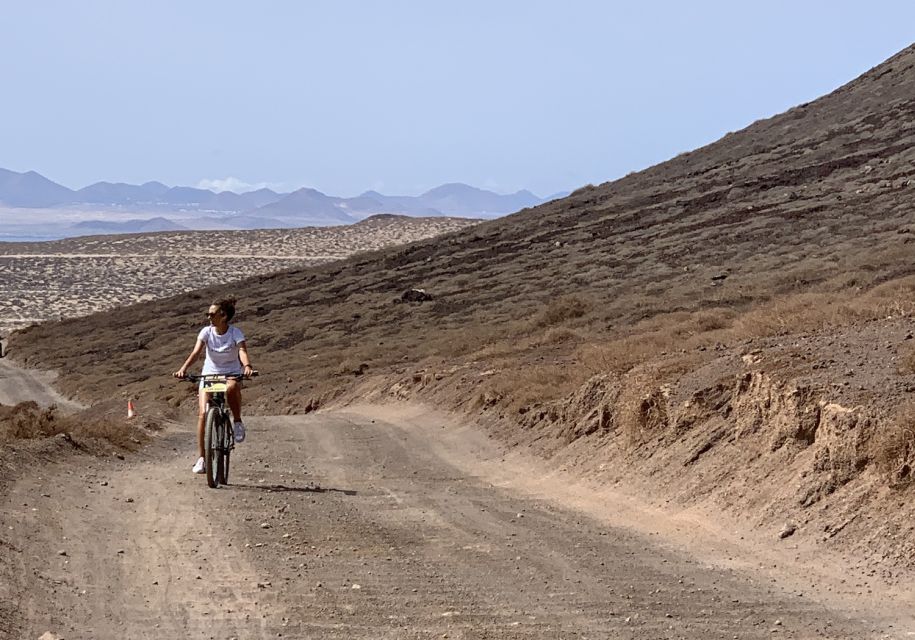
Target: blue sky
[402, 96]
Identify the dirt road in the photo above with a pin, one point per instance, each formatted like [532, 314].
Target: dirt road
[370, 523]
[19, 385]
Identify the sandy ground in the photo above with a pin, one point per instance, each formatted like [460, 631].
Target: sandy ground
[78, 276]
[381, 522]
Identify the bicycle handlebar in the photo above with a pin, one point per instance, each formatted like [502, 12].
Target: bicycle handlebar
[191, 377]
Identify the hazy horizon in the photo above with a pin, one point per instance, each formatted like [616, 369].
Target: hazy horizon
[219, 186]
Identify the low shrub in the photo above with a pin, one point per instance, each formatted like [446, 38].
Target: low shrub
[562, 309]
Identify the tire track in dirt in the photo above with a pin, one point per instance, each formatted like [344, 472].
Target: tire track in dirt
[123, 549]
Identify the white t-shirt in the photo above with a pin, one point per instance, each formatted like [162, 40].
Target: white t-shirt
[222, 350]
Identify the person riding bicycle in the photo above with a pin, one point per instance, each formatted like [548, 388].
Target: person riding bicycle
[226, 354]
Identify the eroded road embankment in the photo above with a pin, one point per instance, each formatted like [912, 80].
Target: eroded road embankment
[354, 525]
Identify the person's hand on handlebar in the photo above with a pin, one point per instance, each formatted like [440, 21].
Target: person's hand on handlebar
[180, 373]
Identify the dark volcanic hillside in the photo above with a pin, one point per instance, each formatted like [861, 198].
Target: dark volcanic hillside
[783, 246]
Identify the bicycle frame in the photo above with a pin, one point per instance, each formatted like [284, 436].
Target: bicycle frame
[219, 435]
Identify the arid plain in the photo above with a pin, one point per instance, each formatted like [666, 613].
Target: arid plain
[78, 276]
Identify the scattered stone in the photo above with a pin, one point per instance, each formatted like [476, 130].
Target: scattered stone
[61, 553]
[787, 530]
[415, 295]
[265, 525]
[48, 635]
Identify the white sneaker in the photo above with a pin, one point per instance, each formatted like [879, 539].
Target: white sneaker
[200, 467]
[239, 430]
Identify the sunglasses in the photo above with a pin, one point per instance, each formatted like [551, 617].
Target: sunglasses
[210, 314]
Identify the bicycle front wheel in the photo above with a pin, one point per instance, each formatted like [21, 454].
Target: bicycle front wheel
[222, 467]
[211, 445]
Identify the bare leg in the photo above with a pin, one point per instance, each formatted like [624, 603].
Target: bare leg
[233, 395]
[201, 418]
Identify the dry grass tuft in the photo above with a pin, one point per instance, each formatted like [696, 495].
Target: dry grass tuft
[821, 310]
[559, 335]
[562, 309]
[617, 356]
[799, 312]
[531, 385]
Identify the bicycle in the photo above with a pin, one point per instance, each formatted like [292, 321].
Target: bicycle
[218, 433]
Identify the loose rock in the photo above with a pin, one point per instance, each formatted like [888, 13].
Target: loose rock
[787, 530]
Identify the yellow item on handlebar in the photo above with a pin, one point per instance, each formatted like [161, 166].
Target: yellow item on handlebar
[214, 386]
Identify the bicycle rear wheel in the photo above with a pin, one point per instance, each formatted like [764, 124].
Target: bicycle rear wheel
[222, 467]
[211, 445]
[228, 441]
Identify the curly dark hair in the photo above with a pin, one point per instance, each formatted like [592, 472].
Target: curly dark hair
[227, 306]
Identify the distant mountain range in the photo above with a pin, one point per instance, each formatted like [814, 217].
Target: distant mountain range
[263, 208]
